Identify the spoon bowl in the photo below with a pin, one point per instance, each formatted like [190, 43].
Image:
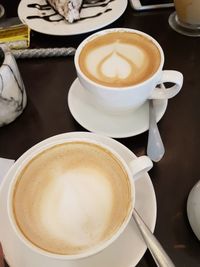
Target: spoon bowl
[155, 147]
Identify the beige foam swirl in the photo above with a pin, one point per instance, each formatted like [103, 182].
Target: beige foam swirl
[71, 197]
[68, 212]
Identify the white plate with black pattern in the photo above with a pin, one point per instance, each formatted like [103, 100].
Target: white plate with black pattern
[41, 17]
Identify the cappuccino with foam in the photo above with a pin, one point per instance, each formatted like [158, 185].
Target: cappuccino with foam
[119, 70]
[119, 59]
[71, 197]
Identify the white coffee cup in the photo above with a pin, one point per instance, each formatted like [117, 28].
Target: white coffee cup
[123, 98]
[12, 91]
[131, 171]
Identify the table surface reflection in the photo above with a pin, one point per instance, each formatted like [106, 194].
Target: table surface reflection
[47, 82]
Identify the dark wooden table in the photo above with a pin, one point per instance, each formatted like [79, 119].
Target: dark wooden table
[47, 83]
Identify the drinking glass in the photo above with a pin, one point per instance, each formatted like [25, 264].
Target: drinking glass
[186, 18]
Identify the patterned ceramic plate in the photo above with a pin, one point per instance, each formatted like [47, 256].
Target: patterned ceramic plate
[39, 16]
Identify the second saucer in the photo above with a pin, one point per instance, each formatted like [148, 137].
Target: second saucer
[101, 122]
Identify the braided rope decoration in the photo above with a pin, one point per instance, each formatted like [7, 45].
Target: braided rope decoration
[44, 52]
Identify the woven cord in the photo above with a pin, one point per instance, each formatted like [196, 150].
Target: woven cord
[43, 52]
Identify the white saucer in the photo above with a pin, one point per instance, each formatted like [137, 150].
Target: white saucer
[126, 251]
[100, 122]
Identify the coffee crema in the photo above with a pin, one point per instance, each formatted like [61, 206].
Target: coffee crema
[71, 198]
[119, 59]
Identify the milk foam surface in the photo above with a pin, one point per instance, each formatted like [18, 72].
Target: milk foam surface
[116, 61]
[66, 207]
[71, 197]
[119, 59]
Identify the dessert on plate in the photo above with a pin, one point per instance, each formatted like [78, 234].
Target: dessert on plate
[69, 9]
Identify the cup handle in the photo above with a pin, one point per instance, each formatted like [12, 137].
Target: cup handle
[139, 166]
[170, 76]
[5, 48]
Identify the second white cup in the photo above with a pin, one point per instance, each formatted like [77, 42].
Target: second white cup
[121, 68]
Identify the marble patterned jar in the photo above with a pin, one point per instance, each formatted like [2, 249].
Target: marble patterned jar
[12, 91]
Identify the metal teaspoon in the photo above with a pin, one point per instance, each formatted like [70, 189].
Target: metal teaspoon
[155, 147]
[160, 256]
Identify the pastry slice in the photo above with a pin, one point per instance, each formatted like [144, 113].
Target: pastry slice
[69, 9]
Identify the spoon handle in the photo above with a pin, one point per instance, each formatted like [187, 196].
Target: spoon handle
[160, 256]
[155, 147]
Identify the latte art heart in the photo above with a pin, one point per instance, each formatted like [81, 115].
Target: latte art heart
[119, 59]
[114, 66]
